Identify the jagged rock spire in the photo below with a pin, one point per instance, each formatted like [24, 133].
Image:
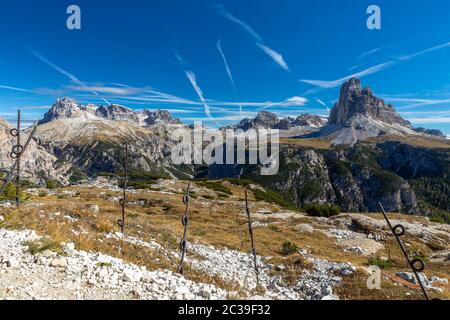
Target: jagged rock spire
[355, 100]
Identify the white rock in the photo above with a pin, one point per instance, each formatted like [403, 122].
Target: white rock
[305, 228]
[204, 294]
[59, 263]
[94, 208]
[437, 280]
[69, 248]
[11, 262]
[408, 276]
[330, 297]
[131, 275]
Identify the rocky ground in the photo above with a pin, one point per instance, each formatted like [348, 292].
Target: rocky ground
[78, 274]
[79, 254]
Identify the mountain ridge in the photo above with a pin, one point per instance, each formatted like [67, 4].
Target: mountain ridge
[69, 108]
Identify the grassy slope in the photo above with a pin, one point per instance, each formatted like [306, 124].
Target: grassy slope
[219, 222]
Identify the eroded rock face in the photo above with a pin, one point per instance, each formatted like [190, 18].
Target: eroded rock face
[308, 180]
[354, 100]
[159, 116]
[352, 179]
[117, 113]
[433, 132]
[68, 108]
[410, 162]
[359, 115]
[97, 146]
[266, 120]
[89, 139]
[37, 165]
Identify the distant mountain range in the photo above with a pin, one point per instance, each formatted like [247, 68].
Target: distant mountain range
[365, 152]
[68, 108]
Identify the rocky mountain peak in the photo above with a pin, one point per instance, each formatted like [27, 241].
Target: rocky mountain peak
[117, 112]
[158, 116]
[355, 101]
[310, 120]
[69, 108]
[266, 118]
[63, 108]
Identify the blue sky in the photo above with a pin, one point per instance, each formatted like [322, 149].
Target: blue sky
[225, 60]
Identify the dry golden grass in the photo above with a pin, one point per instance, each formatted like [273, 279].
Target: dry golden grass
[220, 222]
[316, 143]
[415, 140]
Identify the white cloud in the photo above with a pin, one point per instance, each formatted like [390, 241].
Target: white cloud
[429, 120]
[227, 67]
[192, 79]
[107, 90]
[35, 107]
[191, 76]
[224, 12]
[224, 118]
[429, 102]
[15, 89]
[296, 101]
[422, 52]
[338, 82]
[290, 102]
[365, 54]
[228, 70]
[274, 55]
[373, 69]
[278, 58]
[321, 102]
[69, 75]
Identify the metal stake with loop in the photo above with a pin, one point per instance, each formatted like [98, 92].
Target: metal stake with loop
[185, 222]
[250, 231]
[16, 153]
[123, 201]
[417, 265]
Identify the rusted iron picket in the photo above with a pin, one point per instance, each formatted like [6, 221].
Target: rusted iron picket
[416, 265]
[16, 153]
[252, 240]
[123, 201]
[185, 222]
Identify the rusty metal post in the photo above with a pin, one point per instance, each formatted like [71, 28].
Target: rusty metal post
[16, 153]
[10, 173]
[123, 201]
[250, 231]
[184, 221]
[18, 161]
[416, 265]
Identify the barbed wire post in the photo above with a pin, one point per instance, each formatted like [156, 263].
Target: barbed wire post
[18, 160]
[417, 265]
[252, 240]
[16, 153]
[185, 222]
[123, 201]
